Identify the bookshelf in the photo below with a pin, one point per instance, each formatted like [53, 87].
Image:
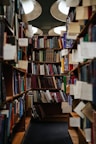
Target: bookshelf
[15, 83]
[48, 82]
[83, 89]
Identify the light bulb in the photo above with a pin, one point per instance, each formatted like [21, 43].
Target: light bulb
[62, 7]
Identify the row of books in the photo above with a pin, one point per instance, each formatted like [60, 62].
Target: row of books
[54, 42]
[46, 82]
[48, 55]
[9, 116]
[46, 42]
[14, 84]
[49, 96]
[88, 72]
[66, 42]
[18, 82]
[44, 69]
[76, 20]
[2, 86]
[91, 34]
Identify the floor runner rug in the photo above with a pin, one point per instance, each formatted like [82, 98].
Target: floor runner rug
[47, 133]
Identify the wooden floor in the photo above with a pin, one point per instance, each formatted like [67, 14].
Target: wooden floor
[19, 136]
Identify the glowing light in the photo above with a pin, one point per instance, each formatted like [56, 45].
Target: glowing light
[62, 7]
[59, 29]
[28, 6]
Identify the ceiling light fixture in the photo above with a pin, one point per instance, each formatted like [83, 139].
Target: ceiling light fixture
[57, 10]
[59, 29]
[28, 6]
[31, 30]
[32, 10]
[35, 29]
[62, 7]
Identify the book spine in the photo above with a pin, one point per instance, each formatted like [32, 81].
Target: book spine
[2, 28]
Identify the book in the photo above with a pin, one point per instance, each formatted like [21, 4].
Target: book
[85, 50]
[23, 64]
[88, 111]
[88, 133]
[41, 55]
[23, 42]
[62, 65]
[30, 99]
[74, 122]
[85, 91]
[66, 108]
[94, 128]
[50, 67]
[43, 97]
[2, 28]
[84, 73]
[81, 13]
[34, 82]
[93, 33]
[86, 2]
[58, 97]
[42, 69]
[72, 3]
[9, 52]
[3, 88]
[3, 128]
[35, 96]
[49, 55]
[73, 28]
[48, 96]
[78, 109]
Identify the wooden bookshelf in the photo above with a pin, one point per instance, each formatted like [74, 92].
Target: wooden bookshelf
[88, 65]
[14, 81]
[49, 81]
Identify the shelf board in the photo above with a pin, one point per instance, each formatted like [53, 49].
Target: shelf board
[7, 25]
[91, 20]
[46, 62]
[82, 136]
[74, 136]
[50, 89]
[18, 138]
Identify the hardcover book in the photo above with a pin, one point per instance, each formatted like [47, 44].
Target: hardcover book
[88, 111]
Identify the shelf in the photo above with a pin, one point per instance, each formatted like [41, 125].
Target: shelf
[74, 69]
[46, 62]
[84, 30]
[8, 28]
[92, 19]
[18, 138]
[50, 89]
[74, 136]
[82, 136]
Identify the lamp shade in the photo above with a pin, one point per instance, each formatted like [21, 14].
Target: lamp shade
[56, 13]
[36, 12]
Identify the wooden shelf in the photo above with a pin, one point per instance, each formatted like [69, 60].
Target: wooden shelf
[82, 138]
[91, 20]
[7, 25]
[20, 135]
[74, 136]
[18, 138]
